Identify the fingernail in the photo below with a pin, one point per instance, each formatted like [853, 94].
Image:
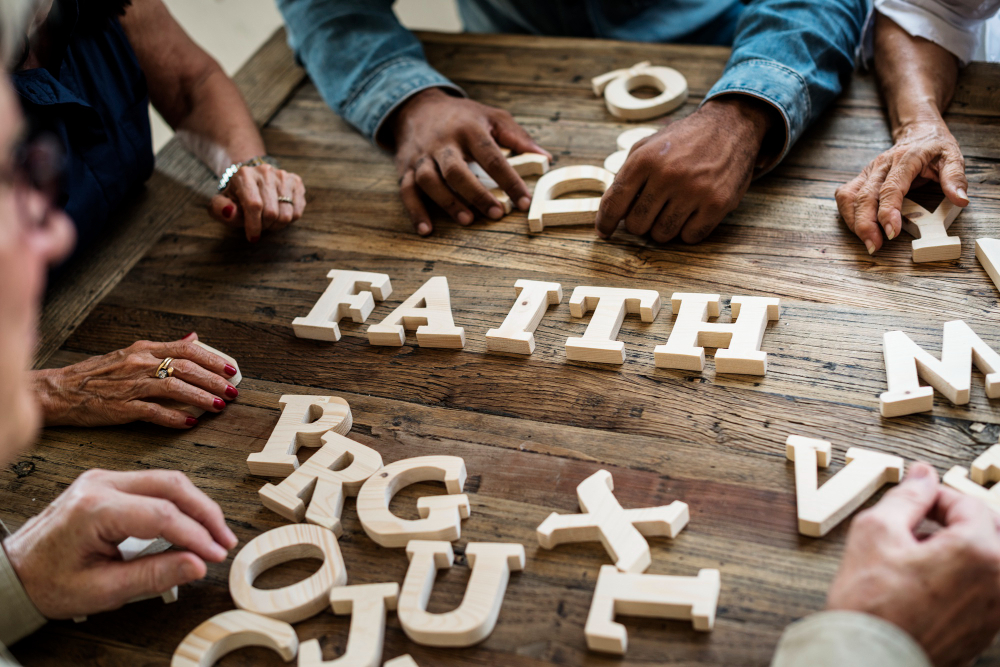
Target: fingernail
[465, 218]
[918, 472]
[186, 571]
[524, 203]
[188, 336]
[228, 211]
[889, 232]
[191, 421]
[961, 193]
[496, 212]
[423, 229]
[229, 370]
[231, 537]
[218, 403]
[871, 247]
[231, 391]
[254, 239]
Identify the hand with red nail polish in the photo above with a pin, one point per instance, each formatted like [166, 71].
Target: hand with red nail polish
[255, 202]
[123, 386]
[67, 557]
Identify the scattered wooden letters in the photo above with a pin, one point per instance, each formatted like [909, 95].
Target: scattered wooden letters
[303, 422]
[231, 630]
[350, 294]
[367, 604]
[932, 242]
[617, 87]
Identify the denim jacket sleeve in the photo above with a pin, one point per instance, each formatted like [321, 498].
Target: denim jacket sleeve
[364, 63]
[793, 54]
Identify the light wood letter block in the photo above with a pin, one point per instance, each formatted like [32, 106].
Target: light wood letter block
[738, 342]
[906, 362]
[516, 334]
[958, 479]
[619, 530]
[617, 88]
[932, 242]
[626, 140]
[650, 596]
[440, 515]
[300, 600]
[401, 661]
[988, 254]
[231, 630]
[820, 509]
[334, 472]
[303, 421]
[350, 294]
[367, 605]
[428, 311]
[609, 304]
[547, 211]
[195, 411]
[473, 620]
[986, 467]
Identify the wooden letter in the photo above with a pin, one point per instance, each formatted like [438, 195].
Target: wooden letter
[231, 630]
[620, 530]
[525, 164]
[300, 600]
[516, 334]
[303, 421]
[352, 293]
[905, 362]
[958, 479]
[988, 254]
[931, 231]
[473, 621]
[617, 87]
[428, 311]
[609, 305]
[626, 140]
[986, 467]
[401, 661]
[195, 411]
[323, 482]
[546, 211]
[136, 547]
[651, 596]
[742, 337]
[441, 515]
[865, 473]
[367, 605]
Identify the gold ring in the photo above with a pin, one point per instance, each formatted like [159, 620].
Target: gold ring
[286, 200]
[164, 370]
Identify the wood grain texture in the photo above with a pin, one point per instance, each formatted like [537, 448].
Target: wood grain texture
[531, 428]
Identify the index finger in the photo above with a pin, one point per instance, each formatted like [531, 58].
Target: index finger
[181, 349]
[487, 153]
[895, 186]
[909, 503]
[618, 199]
[181, 491]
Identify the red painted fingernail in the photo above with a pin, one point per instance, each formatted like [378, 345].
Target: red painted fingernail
[230, 371]
[218, 403]
[188, 336]
[191, 421]
[231, 391]
[228, 211]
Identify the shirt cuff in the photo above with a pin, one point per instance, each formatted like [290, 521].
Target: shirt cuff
[835, 638]
[949, 30]
[389, 85]
[780, 86]
[20, 616]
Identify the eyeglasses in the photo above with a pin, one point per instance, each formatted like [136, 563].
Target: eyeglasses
[36, 169]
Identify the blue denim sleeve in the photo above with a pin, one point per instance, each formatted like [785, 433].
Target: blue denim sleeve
[793, 54]
[364, 63]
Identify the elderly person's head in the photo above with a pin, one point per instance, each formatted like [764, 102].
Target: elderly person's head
[33, 235]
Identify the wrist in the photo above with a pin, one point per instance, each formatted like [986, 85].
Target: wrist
[754, 121]
[394, 125]
[50, 400]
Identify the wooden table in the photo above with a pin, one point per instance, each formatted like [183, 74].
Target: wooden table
[529, 428]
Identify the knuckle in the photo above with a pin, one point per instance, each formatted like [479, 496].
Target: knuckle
[871, 521]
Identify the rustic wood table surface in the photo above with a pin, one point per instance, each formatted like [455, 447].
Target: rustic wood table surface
[529, 428]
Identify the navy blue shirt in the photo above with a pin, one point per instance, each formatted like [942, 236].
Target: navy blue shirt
[97, 104]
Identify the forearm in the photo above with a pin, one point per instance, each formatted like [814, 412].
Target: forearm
[917, 77]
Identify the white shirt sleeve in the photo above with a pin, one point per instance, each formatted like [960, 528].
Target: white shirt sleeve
[952, 24]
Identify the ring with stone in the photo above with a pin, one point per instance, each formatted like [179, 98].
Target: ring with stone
[164, 370]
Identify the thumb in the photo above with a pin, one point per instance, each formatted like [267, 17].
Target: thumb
[509, 134]
[225, 210]
[953, 181]
[121, 582]
[909, 503]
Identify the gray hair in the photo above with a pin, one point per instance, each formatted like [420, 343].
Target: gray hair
[14, 16]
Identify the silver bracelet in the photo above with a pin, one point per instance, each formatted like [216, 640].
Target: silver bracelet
[231, 170]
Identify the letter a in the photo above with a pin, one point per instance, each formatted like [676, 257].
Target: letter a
[821, 509]
[905, 362]
[351, 293]
[428, 311]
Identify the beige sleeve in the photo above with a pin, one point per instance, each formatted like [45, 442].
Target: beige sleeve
[838, 638]
[6, 659]
[20, 617]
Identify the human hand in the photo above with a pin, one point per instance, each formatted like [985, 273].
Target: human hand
[924, 151]
[250, 201]
[67, 557]
[687, 177]
[944, 590]
[435, 134]
[121, 387]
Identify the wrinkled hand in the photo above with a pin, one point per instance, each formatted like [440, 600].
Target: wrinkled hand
[250, 201]
[923, 152]
[687, 177]
[67, 557]
[944, 590]
[435, 134]
[121, 387]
